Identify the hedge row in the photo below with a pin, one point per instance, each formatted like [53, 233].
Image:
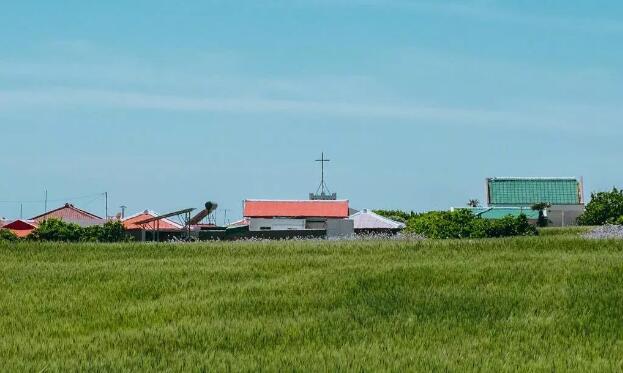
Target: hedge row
[60, 231]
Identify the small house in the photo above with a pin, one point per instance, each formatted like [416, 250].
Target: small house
[21, 228]
[368, 222]
[565, 196]
[161, 229]
[299, 217]
[71, 214]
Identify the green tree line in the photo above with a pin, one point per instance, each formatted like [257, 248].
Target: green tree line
[56, 230]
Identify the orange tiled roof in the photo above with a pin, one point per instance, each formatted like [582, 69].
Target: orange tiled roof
[130, 222]
[70, 213]
[21, 228]
[295, 209]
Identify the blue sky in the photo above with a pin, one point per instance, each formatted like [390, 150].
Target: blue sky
[168, 104]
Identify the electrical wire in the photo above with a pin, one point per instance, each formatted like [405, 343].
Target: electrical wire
[58, 199]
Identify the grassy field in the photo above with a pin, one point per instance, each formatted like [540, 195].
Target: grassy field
[566, 231]
[544, 304]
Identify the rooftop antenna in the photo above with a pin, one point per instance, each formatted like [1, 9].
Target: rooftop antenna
[225, 221]
[322, 193]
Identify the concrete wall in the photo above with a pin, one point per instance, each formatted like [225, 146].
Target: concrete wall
[257, 224]
[564, 215]
[340, 228]
[333, 227]
[316, 224]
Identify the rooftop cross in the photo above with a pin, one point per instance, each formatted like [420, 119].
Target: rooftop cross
[322, 193]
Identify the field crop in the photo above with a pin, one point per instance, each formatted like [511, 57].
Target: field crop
[534, 303]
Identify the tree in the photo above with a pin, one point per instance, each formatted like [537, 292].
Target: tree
[58, 230]
[473, 203]
[604, 208]
[462, 223]
[541, 208]
[396, 215]
[112, 231]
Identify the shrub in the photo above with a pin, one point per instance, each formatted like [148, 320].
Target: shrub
[58, 230]
[396, 215]
[112, 231]
[604, 208]
[464, 224]
[7, 235]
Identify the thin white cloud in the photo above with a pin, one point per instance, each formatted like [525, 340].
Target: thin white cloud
[493, 11]
[73, 99]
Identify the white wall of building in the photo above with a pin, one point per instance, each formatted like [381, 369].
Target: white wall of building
[564, 215]
[277, 224]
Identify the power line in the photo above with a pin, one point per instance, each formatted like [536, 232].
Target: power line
[58, 199]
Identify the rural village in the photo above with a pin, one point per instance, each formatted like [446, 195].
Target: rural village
[311, 186]
[323, 215]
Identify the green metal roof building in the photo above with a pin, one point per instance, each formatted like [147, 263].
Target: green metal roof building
[526, 192]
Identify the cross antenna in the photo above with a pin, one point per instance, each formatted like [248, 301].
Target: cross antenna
[322, 193]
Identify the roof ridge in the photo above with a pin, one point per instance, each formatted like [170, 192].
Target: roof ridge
[296, 200]
[69, 206]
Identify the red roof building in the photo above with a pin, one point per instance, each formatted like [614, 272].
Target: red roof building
[71, 214]
[295, 209]
[129, 223]
[21, 228]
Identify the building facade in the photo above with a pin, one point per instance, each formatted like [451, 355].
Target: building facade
[330, 217]
[368, 222]
[71, 214]
[565, 196]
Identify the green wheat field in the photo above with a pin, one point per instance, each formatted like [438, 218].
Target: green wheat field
[549, 303]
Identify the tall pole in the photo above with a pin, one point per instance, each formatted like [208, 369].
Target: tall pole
[46, 201]
[322, 169]
[21, 210]
[106, 196]
[323, 187]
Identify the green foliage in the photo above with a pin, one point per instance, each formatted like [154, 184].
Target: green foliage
[462, 223]
[60, 231]
[111, 231]
[516, 304]
[396, 215]
[604, 208]
[56, 230]
[7, 235]
[564, 231]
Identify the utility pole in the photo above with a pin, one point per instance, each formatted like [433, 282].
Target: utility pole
[123, 207]
[21, 210]
[106, 196]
